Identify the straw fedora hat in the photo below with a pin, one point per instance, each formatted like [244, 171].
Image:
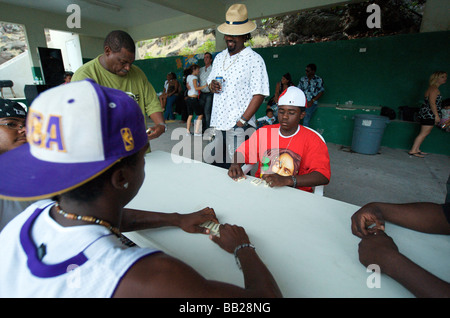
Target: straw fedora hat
[237, 22]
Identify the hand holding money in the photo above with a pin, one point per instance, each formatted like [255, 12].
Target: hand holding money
[212, 227]
[230, 237]
[235, 172]
[191, 223]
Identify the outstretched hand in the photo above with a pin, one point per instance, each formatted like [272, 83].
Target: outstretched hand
[365, 217]
[191, 222]
[378, 248]
[230, 237]
[275, 180]
[155, 131]
[235, 171]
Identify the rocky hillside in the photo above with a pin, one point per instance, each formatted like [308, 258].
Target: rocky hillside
[12, 41]
[331, 24]
[350, 21]
[182, 44]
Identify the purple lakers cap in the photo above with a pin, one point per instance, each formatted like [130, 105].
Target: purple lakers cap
[75, 132]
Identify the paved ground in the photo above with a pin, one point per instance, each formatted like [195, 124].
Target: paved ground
[389, 176]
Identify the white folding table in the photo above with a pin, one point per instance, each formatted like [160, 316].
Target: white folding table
[304, 239]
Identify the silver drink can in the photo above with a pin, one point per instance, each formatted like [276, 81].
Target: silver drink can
[219, 79]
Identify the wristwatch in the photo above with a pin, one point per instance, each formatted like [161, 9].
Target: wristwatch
[243, 121]
[237, 249]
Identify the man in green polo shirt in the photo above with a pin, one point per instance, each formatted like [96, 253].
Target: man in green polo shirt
[115, 69]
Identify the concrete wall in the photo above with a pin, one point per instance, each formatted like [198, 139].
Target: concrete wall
[393, 71]
[435, 17]
[18, 70]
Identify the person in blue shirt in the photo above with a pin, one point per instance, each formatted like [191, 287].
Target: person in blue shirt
[312, 86]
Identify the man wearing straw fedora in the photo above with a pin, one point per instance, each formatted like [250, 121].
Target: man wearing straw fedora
[245, 84]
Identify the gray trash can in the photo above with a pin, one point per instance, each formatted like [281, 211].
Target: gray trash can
[368, 132]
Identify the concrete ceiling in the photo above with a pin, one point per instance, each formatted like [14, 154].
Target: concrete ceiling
[146, 19]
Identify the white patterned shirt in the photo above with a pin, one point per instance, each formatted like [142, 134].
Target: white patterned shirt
[244, 75]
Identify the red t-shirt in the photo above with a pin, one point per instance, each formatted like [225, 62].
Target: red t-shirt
[299, 154]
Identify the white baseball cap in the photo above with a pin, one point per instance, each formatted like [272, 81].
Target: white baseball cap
[292, 96]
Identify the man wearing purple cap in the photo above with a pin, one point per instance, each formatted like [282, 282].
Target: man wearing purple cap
[69, 244]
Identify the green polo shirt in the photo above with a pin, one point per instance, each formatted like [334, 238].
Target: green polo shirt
[135, 84]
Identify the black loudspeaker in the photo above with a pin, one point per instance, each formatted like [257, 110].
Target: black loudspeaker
[32, 91]
[52, 65]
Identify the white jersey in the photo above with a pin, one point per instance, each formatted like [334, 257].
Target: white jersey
[79, 261]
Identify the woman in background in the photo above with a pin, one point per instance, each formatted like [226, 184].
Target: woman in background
[430, 111]
[173, 88]
[286, 81]
[192, 102]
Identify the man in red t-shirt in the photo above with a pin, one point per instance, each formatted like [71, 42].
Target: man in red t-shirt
[287, 154]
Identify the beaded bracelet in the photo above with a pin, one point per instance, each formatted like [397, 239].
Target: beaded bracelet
[294, 179]
[237, 249]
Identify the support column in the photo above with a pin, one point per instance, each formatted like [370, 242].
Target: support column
[220, 43]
